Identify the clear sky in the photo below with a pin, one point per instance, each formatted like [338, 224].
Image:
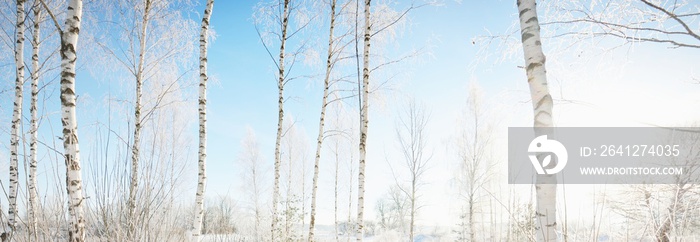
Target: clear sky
[246, 93]
[616, 85]
[625, 87]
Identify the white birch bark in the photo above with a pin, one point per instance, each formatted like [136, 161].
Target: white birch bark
[33, 196]
[319, 139]
[16, 117]
[201, 184]
[363, 126]
[134, 181]
[74, 181]
[280, 122]
[542, 104]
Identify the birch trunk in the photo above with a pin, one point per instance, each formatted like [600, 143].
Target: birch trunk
[74, 186]
[363, 126]
[33, 196]
[319, 139]
[542, 104]
[134, 183]
[16, 117]
[280, 120]
[201, 184]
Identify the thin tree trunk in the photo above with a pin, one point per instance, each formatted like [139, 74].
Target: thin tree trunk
[134, 183]
[472, 228]
[256, 192]
[16, 117]
[257, 220]
[33, 196]
[663, 233]
[352, 157]
[475, 161]
[303, 197]
[74, 180]
[280, 120]
[363, 126]
[319, 139]
[201, 184]
[413, 147]
[413, 206]
[288, 201]
[335, 204]
[542, 104]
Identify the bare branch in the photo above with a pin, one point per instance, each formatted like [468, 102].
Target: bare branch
[672, 15]
[55, 21]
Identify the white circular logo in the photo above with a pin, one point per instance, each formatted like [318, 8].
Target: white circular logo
[542, 144]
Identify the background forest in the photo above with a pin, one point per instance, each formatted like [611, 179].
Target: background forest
[332, 120]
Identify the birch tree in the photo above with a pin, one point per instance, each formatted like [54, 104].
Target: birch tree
[74, 186]
[353, 140]
[319, 140]
[392, 209]
[344, 141]
[138, 76]
[412, 139]
[364, 120]
[166, 137]
[385, 20]
[148, 43]
[542, 104]
[295, 163]
[16, 117]
[336, 154]
[292, 159]
[342, 147]
[280, 118]
[201, 184]
[333, 90]
[251, 161]
[475, 166]
[32, 183]
[275, 18]
[69, 42]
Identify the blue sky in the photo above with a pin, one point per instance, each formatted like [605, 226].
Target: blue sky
[246, 91]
